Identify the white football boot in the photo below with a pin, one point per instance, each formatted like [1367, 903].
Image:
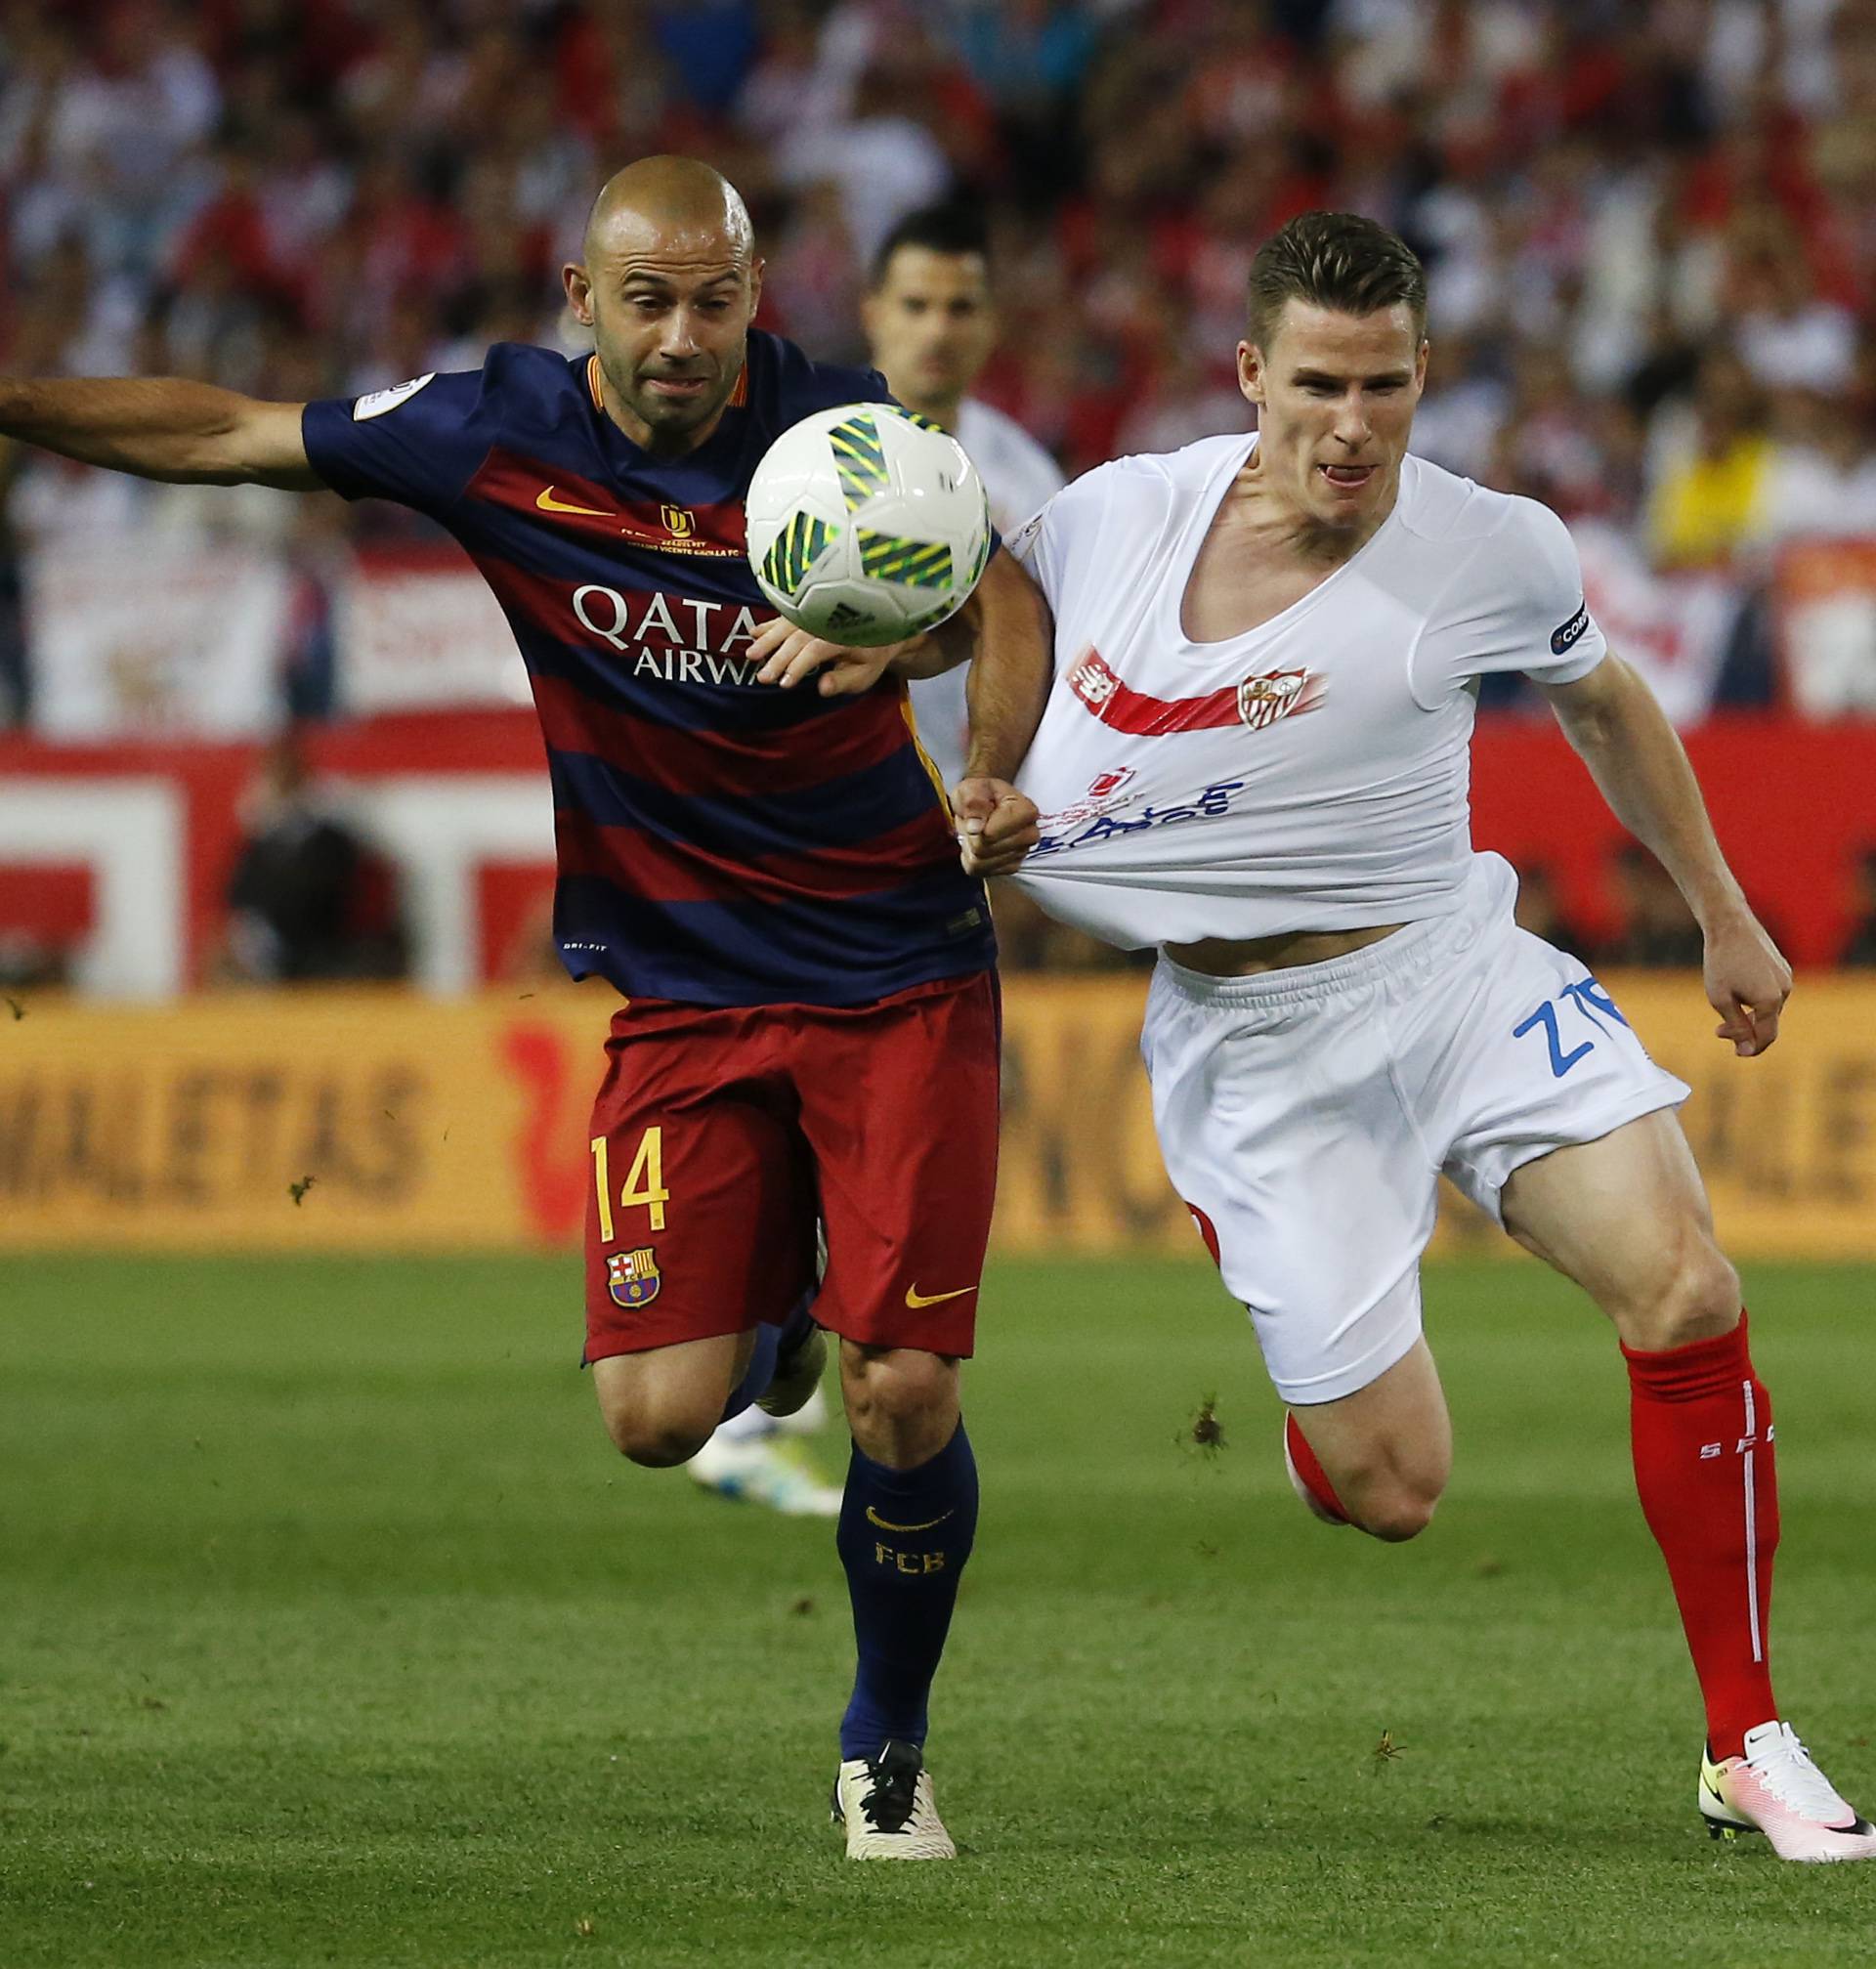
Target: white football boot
[884, 1802]
[1776, 1789]
[768, 1470]
[810, 1418]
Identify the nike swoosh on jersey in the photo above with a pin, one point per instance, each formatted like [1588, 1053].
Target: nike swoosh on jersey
[886, 1524]
[916, 1299]
[548, 503]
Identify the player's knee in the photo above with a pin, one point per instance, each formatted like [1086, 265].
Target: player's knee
[659, 1435]
[1695, 1297]
[1397, 1512]
[897, 1384]
[1394, 1497]
[902, 1403]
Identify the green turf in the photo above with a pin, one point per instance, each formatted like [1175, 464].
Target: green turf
[331, 1632]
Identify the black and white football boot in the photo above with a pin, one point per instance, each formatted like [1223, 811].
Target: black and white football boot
[884, 1804]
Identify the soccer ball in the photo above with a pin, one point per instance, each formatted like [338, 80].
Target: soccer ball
[866, 524]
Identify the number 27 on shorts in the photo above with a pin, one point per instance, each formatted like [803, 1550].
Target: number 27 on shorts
[1597, 1008]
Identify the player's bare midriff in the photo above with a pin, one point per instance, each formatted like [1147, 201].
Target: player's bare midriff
[1245, 957]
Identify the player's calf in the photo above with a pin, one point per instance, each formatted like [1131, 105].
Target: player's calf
[907, 1522]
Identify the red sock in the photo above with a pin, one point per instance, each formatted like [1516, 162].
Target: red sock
[1314, 1478]
[1701, 1426]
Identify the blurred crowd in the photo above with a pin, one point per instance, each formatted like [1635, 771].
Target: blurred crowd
[1649, 224]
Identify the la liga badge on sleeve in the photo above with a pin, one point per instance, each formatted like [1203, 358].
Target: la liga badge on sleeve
[633, 1277]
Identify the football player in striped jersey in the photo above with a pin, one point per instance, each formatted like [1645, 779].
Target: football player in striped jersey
[751, 851]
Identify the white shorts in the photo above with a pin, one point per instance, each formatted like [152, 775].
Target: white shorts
[1305, 1115]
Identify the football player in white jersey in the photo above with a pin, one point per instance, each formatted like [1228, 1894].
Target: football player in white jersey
[1252, 749]
[931, 324]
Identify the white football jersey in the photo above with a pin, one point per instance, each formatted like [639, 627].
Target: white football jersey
[1312, 774]
[1019, 478]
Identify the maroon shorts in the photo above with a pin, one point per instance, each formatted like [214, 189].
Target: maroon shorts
[719, 1135]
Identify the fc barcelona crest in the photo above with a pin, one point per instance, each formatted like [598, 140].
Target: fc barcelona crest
[633, 1277]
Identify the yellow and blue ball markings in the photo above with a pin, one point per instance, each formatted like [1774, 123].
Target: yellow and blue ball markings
[860, 457]
[794, 550]
[918, 563]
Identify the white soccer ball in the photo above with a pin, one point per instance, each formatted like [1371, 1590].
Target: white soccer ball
[866, 524]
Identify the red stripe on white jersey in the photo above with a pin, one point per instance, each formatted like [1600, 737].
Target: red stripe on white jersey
[1255, 702]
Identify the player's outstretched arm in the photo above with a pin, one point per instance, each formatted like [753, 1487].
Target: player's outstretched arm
[787, 656]
[1012, 667]
[1641, 767]
[161, 427]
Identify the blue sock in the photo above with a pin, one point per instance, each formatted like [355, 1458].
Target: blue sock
[770, 1343]
[904, 1537]
[758, 1374]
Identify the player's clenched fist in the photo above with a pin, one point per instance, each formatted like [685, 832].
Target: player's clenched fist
[1748, 981]
[996, 825]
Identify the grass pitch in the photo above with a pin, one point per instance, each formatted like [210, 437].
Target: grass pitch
[331, 1632]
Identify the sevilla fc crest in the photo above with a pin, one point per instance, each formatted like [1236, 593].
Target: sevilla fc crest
[633, 1276]
[1262, 700]
[1104, 785]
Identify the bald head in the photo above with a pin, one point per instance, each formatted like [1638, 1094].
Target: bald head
[667, 200]
[670, 285]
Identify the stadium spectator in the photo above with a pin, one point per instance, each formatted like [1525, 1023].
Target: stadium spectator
[16, 659]
[307, 898]
[1859, 951]
[1540, 911]
[29, 963]
[1823, 484]
[314, 548]
[1717, 465]
[1657, 933]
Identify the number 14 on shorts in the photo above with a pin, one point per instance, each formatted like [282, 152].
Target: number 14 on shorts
[1595, 1007]
[644, 1185]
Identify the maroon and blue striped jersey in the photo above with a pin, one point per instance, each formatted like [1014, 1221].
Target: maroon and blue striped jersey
[721, 841]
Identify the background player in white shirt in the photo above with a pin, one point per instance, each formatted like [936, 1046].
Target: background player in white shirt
[931, 325]
[1253, 751]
